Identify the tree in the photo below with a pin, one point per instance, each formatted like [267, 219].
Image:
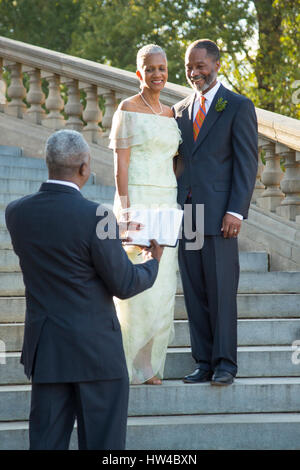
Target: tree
[265, 69]
[259, 40]
[112, 31]
[43, 23]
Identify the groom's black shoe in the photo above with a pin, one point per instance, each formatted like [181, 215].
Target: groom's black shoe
[198, 376]
[222, 377]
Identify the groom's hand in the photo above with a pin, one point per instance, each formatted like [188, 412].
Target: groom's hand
[231, 226]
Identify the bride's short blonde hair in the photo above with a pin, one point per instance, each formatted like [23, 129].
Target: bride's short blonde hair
[146, 51]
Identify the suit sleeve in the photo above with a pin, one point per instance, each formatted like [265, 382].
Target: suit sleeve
[245, 154]
[122, 278]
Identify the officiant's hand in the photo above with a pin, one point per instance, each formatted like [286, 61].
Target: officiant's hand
[154, 251]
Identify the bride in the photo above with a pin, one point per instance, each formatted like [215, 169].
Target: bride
[145, 138]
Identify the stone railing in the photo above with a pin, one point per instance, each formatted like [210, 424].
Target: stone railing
[76, 80]
[83, 95]
[278, 181]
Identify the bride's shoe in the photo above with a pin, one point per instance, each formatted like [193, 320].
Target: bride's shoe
[153, 381]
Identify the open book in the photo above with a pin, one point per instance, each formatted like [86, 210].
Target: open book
[162, 224]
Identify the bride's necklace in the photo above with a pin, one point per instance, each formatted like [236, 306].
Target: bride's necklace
[149, 105]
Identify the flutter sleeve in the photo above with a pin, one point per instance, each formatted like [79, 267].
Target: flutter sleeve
[124, 131]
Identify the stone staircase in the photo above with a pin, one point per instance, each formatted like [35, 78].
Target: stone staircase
[261, 410]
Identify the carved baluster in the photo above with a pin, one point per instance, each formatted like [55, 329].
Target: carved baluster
[16, 91]
[271, 177]
[73, 108]
[110, 107]
[120, 96]
[259, 187]
[54, 103]
[35, 96]
[290, 184]
[92, 114]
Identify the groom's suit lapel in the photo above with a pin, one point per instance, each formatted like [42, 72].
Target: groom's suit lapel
[210, 119]
[187, 122]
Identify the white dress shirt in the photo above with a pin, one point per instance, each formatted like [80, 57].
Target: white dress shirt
[209, 96]
[66, 183]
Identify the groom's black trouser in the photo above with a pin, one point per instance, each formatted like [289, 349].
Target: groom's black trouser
[210, 280]
[100, 408]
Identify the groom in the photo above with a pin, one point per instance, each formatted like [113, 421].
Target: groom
[216, 167]
[72, 343]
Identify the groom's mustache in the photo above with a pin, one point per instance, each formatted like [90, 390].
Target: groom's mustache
[198, 77]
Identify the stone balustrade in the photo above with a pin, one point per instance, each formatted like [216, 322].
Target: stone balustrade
[278, 182]
[80, 80]
[83, 95]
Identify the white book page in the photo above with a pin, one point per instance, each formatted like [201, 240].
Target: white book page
[162, 225]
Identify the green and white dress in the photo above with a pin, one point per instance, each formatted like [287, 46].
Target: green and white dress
[147, 318]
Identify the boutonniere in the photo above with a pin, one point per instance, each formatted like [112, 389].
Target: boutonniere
[221, 105]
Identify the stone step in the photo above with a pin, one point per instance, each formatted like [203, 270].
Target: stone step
[250, 333]
[214, 432]
[9, 261]
[254, 261]
[253, 361]
[258, 395]
[12, 309]
[6, 198]
[274, 282]
[23, 162]
[6, 150]
[22, 187]
[30, 174]
[254, 332]
[255, 306]
[5, 241]
[252, 431]
[282, 306]
[11, 283]
[107, 199]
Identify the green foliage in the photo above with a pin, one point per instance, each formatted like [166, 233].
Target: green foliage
[45, 23]
[259, 40]
[113, 31]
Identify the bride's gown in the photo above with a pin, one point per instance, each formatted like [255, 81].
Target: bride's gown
[147, 319]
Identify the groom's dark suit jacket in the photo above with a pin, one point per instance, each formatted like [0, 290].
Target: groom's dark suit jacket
[72, 333]
[220, 167]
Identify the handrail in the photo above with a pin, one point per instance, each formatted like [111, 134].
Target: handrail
[105, 76]
[279, 136]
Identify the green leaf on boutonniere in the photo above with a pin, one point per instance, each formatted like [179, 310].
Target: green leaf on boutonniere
[221, 105]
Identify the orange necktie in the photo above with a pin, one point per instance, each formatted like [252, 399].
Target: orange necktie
[199, 119]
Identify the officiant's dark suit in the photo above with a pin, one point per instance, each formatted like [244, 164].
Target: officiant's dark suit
[218, 169]
[72, 343]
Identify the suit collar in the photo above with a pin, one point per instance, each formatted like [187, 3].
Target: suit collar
[66, 183]
[187, 114]
[61, 188]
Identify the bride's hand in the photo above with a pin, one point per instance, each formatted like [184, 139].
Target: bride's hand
[128, 225]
